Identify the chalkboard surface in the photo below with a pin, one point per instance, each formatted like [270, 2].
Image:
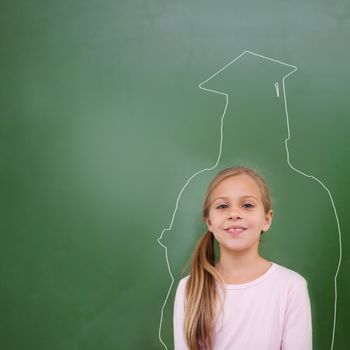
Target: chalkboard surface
[103, 124]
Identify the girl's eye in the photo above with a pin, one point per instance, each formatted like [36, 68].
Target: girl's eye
[248, 205]
[221, 206]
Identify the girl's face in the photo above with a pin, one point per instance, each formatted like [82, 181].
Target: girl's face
[236, 214]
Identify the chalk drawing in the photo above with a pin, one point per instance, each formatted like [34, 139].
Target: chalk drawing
[277, 89]
[294, 69]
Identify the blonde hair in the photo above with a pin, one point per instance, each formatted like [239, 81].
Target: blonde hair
[201, 293]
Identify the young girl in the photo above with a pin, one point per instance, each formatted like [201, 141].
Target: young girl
[240, 301]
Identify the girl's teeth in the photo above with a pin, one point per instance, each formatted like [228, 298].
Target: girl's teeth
[235, 230]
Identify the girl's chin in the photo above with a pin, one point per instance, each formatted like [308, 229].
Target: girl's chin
[237, 246]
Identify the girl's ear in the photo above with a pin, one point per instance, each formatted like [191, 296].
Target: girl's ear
[207, 221]
[268, 220]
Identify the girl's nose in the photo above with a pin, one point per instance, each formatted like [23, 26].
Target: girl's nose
[234, 214]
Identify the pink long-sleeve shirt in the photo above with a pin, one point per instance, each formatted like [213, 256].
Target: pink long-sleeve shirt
[270, 313]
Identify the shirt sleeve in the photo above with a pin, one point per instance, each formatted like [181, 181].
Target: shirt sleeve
[179, 316]
[297, 331]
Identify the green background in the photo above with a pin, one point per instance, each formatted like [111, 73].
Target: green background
[102, 123]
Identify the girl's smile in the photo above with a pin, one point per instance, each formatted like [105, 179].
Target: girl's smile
[235, 229]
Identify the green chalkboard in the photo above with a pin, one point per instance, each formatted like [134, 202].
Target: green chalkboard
[115, 115]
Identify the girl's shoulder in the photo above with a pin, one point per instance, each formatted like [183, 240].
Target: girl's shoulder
[182, 282]
[181, 289]
[288, 275]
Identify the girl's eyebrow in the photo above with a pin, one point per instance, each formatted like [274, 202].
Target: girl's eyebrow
[242, 197]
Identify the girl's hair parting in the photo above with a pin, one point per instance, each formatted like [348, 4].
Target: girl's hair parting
[201, 294]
